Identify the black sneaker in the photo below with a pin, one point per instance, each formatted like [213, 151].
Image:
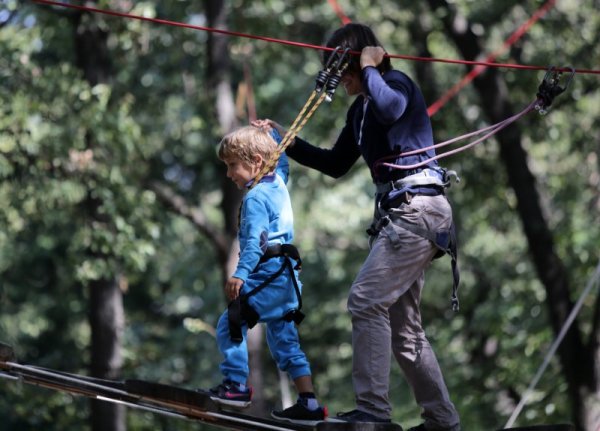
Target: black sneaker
[300, 414]
[358, 416]
[228, 393]
[422, 428]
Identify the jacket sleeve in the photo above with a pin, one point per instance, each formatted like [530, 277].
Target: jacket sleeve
[254, 228]
[335, 161]
[388, 99]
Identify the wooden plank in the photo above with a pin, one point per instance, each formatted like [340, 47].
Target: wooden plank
[171, 393]
[357, 426]
[555, 427]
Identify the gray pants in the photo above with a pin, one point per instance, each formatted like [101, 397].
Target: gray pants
[384, 304]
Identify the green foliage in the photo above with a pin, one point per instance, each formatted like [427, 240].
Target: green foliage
[69, 151]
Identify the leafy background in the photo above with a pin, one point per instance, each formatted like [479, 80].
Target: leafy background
[155, 122]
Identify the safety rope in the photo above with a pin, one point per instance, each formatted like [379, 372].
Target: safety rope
[594, 281]
[548, 89]
[515, 36]
[327, 81]
[289, 136]
[293, 43]
[493, 129]
[340, 13]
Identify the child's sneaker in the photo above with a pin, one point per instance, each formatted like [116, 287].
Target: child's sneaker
[229, 393]
[300, 414]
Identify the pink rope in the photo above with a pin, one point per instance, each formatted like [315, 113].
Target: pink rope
[495, 128]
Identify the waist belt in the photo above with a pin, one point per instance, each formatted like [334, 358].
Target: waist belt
[427, 177]
[240, 310]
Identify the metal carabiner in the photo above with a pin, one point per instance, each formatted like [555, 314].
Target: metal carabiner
[550, 88]
[325, 74]
[337, 70]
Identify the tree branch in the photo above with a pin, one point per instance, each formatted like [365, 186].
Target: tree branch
[195, 215]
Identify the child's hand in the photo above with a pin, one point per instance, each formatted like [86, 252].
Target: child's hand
[232, 287]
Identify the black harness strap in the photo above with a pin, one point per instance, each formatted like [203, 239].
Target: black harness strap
[239, 310]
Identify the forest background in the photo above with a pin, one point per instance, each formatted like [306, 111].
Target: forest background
[117, 223]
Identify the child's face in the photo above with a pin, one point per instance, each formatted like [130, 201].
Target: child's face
[241, 172]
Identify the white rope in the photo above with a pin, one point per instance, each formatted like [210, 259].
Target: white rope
[554, 347]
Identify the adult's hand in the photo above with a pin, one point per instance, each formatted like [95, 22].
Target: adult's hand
[371, 56]
[269, 124]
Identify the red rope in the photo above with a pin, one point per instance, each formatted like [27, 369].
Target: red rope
[432, 110]
[340, 13]
[298, 44]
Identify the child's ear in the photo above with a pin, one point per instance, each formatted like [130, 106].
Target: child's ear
[258, 160]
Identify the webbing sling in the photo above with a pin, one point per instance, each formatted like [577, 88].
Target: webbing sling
[239, 310]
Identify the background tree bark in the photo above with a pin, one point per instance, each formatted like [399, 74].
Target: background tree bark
[106, 313]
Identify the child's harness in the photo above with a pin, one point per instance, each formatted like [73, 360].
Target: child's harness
[240, 310]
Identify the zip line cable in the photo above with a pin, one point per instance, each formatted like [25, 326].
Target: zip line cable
[339, 12]
[293, 43]
[594, 281]
[331, 76]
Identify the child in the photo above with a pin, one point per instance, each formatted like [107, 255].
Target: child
[264, 287]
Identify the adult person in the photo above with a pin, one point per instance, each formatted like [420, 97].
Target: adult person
[388, 118]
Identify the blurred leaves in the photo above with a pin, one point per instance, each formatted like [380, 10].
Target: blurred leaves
[67, 148]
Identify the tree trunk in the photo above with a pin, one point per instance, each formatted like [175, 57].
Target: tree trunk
[219, 79]
[107, 320]
[577, 362]
[106, 314]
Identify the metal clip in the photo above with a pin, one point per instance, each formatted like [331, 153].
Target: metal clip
[334, 80]
[550, 88]
[330, 77]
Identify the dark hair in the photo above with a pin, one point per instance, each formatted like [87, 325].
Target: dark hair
[355, 36]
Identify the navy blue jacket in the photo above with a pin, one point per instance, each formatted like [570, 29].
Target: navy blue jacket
[395, 121]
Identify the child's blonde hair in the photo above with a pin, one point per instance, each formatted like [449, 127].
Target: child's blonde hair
[244, 143]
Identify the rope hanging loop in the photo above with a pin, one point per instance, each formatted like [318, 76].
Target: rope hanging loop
[550, 88]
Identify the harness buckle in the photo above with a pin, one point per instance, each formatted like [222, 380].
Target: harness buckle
[550, 88]
[448, 176]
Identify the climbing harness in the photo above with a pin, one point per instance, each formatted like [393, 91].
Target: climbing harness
[239, 310]
[438, 179]
[327, 81]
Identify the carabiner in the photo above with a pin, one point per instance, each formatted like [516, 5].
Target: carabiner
[550, 88]
[324, 74]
